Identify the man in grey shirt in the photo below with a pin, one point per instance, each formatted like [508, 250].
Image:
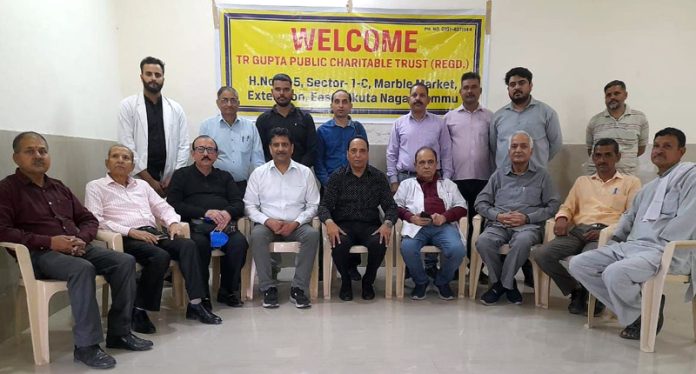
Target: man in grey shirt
[516, 202]
[525, 113]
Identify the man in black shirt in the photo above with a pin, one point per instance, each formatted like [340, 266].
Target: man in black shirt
[350, 210]
[284, 114]
[201, 192]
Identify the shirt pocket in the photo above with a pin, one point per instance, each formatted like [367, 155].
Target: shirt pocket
[619, 202]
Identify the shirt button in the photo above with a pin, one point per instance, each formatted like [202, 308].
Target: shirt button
[50, 203]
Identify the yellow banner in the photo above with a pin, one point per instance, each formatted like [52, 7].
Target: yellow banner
[375, 57]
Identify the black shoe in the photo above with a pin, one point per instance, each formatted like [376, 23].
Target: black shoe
[528, 274]
[298, 297]
[129, 342]
[483, 278]
[346, 292]
[94, 357]
[368, 291]
[418, 292]
[231, 299]
[207, 304]
[199, 312]
[577, 302]
[354, 274]
[141, 323]
[493, 294]
[431, 271]
[270, 298]
[632, 331]
[513, 295]
[445, 292]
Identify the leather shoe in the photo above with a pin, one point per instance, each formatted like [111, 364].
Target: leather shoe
[94, 357]
[199, 312]
[368, 291]
[231, 299]
[354, 274]
[346, 292]
[207, 304]
[141, 323]
[129, 342]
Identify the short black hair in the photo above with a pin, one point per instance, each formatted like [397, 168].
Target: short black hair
[279, 131]
[227, 88]
[358, 137]
[419, 84]
[426, 148]
[26, 134]
[471, 75]
[281, 77]
[203, 137]
[520, 72]
[681, 138]
[607, 141]
[149, 60]
[615, 83]
[350, 97]
[130, 151]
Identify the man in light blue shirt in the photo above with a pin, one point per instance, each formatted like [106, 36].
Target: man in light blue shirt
[239, 144]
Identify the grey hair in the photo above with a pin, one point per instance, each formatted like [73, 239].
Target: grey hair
[522, 132]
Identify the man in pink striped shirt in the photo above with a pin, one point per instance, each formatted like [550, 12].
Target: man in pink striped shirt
[132, 208]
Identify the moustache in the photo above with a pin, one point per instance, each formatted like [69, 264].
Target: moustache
[206, 158]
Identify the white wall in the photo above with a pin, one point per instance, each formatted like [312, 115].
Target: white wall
[59, 67]
[67, 64]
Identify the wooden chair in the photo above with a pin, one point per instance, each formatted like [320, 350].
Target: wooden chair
[39, 293]
[651, 290]
[286, 247]
[401, 266]
[330, 269]
[178, 286]
[542, 282]
[476, 262]
[243, 228]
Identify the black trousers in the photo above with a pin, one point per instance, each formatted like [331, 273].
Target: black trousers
[155, 261]
[230, 264]
[118, 269]
[359, 233]
[470, 188]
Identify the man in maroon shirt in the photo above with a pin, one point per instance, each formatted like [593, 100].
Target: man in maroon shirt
[42, 214]
[429, 208]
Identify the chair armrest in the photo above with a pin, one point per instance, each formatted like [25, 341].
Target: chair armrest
[113, 240]
[23, 258]
[316, 223]
[548, 230]
[463, 226]
[186, 229]
[605, 235]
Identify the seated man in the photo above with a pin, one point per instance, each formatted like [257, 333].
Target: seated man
[201, 191]
[41, 213]
[593, 203]
[350, 210]
[430, 207]
[132, 208]
[662, 211]
[516, 202]
[281, 199]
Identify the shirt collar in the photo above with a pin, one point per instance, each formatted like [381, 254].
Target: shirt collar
[425, 117]
[532, 102]
[462, 108]
[332, 123]
[349, 171]
[110, 180]
[617, 175]
[531, 168]
[293, 164]
[25, 180]
[275, 109]
[223, 122]
[627, 111]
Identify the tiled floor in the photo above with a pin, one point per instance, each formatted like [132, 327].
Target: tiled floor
[430, 336]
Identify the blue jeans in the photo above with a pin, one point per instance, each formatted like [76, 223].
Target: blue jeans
[447, 239]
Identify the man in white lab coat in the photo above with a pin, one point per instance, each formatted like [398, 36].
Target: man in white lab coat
[155, 128]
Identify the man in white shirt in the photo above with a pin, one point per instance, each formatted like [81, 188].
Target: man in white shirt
[154, 128]
[281, 199]
[131, 208]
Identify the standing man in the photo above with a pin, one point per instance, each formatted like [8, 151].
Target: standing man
[239, 144]
[154, 128]
[468, 127]
[332, 142]
[281, 199]
[525, 113]
[286, 115]
[593, 203]
[131, 208]
[430, 208]
[516, 203]
[43, 214]
[661, 212]
[413, 131]
[201, 192]
[627, 126]
[350, 210]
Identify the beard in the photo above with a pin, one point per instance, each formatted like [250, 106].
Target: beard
[152, 87]
[519, 100]
[613, 105]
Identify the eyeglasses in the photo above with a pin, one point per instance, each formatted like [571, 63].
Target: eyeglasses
[229, 101]
[202, 150]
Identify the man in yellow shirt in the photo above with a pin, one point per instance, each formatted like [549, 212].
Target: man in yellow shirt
[594, 202]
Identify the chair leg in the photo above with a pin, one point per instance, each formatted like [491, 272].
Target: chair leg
[693, 312]
[650, 311]
[178, 286]
[216, 276]
[246, 274]
[591, 302]
[536, 275]
[327, 272]
[252, 275]
[474, 273]
[388, 275]
[314, 279]
[38, 325]
[461, 289]
[400, 276]
[19, 312]
[105, 300]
